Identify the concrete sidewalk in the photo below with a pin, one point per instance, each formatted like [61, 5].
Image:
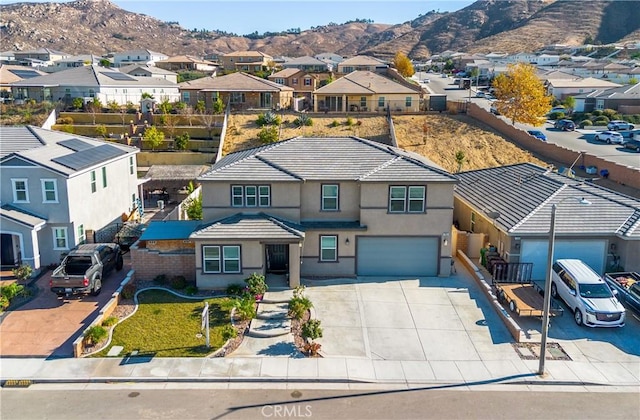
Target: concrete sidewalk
[315, 370]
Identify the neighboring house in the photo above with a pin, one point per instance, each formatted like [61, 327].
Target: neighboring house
[246, 61]
[519, 198]
[148, 57]
[302, 83]
[11, 73]
[94, 82]
[187, 63]
[39, 57]
[239, 90]
[307, 64]
[341, 206]
[624, 99]
[366, 91]
[74, 61]
[143, 70]
[561, 88]
[361, 63]
[330, 59]
[7, 57]
[59, 188]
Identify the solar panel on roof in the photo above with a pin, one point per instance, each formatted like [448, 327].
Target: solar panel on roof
[86, 158]
[76, 145]
[118, 76]
[25, 74]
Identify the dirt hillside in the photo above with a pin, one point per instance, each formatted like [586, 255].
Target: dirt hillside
[437, 137]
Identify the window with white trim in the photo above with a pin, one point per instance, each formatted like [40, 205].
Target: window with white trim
[330, 197]
[250, 196]
[329, 248]
[49, 190]
[381, 102]
[20, 190]
[294, 80]
[404, 199]
[221, 259]
[131, 165]
[60, 238]
[307, 81]
[94, 187]
[81, 234]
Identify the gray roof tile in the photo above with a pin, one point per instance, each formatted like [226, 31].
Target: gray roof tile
[22, 217]
[325, 158]
[250, 226]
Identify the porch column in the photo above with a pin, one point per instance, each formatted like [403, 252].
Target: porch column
[294, 265]
[344, 103]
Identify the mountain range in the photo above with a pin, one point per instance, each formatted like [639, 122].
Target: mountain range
[99, 27]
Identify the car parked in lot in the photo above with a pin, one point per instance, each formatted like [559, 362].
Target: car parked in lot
[558, 108]
[620, 125]
[426, 81]
[564, 125]
[632, 144]
[610, 137]
[538, 134]
[587, 295]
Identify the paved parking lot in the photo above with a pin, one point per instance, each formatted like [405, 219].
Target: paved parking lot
[48, 325]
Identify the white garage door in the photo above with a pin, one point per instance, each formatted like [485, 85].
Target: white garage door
[397, 256]
[535, 251]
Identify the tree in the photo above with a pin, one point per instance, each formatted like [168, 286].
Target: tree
[113, 106]
[633, 81]
[521, 95]
[153, 136]
[460, 159]
[193, 208]
[94, 107]
[101, 130]
[104, 62]
[77, 103]
[218, 106]
[402, 63]
[570, 103]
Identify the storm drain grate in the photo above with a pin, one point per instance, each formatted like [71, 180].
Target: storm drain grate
[531, 351]
[16, 383]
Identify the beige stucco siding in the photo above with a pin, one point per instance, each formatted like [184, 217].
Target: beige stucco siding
[251, 258]
[348, 201]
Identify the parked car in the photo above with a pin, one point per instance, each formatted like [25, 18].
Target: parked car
[494, 110]
[480, 94]
[632, 144]
[538, 134]
[610, 137]
[620, 125]
[565, 125]
[559, 108]
[587, 295]
[426, 80]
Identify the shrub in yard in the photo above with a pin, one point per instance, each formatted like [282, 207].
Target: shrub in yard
[256, 284]
[246, 307]
[349, 122]
[303, 120]
[597, 112]
[268, 135]
[160, 279]
[22, 272]
[64, 120]
[612, 114]
[128, 291]
[556, 115]
[235, 289]
[228, 332]
[10, 291]
[191, 290]
[268, 118]
[178, 282]
[4, 303]
[298, 306]
[112, 320]
[585, 123]
[601, 120]
[95, 334]
[334, 123]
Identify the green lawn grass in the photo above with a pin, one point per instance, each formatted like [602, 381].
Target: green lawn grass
[166, 325]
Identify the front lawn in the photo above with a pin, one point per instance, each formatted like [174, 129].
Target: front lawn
[166, 325]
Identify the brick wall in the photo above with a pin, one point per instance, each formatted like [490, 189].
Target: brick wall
[621, 174]
[148, 264]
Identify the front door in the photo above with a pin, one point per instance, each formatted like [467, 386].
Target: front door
[265, 100]
[277, 258]
[6, 252]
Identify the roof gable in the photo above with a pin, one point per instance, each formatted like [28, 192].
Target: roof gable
[243, 82]
[364, 82]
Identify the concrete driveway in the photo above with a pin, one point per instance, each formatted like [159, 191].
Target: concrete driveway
[426, 319]
[48, 325]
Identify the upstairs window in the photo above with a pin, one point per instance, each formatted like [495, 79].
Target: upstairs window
[104, 177]
[250, 196]
[403, 199]
[20, 190]
[131, 166]
[330, 197]
[49, 191]
[94, 187]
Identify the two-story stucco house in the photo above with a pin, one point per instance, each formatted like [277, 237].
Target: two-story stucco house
[56, 189]
[247, 61]
[125, 58]
[341, 206]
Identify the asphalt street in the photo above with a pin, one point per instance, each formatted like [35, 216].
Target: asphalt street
[211, 401]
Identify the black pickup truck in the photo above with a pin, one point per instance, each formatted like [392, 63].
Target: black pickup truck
[84, 269]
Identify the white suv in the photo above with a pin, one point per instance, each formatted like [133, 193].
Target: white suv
[587, 295]
[620, 125]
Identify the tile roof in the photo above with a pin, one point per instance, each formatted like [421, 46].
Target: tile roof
[61, 152]
[176, 172]
[250, 226]
[364, 82]
[326, 158]
[285, 73]
[362, 60]
[93, 76]
[169, 230]
[12, 73]
[131, 68]
[22, 217]
[235, 82]
[523, 195]
[304, 61]
[589, 82]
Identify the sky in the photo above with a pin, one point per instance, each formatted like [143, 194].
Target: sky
[244, 17]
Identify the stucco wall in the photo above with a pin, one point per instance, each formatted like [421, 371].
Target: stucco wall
[348, 201]
[149, 264]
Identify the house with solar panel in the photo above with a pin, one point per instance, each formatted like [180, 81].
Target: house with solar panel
[59, 190]
[93, 81]
[327, 207]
